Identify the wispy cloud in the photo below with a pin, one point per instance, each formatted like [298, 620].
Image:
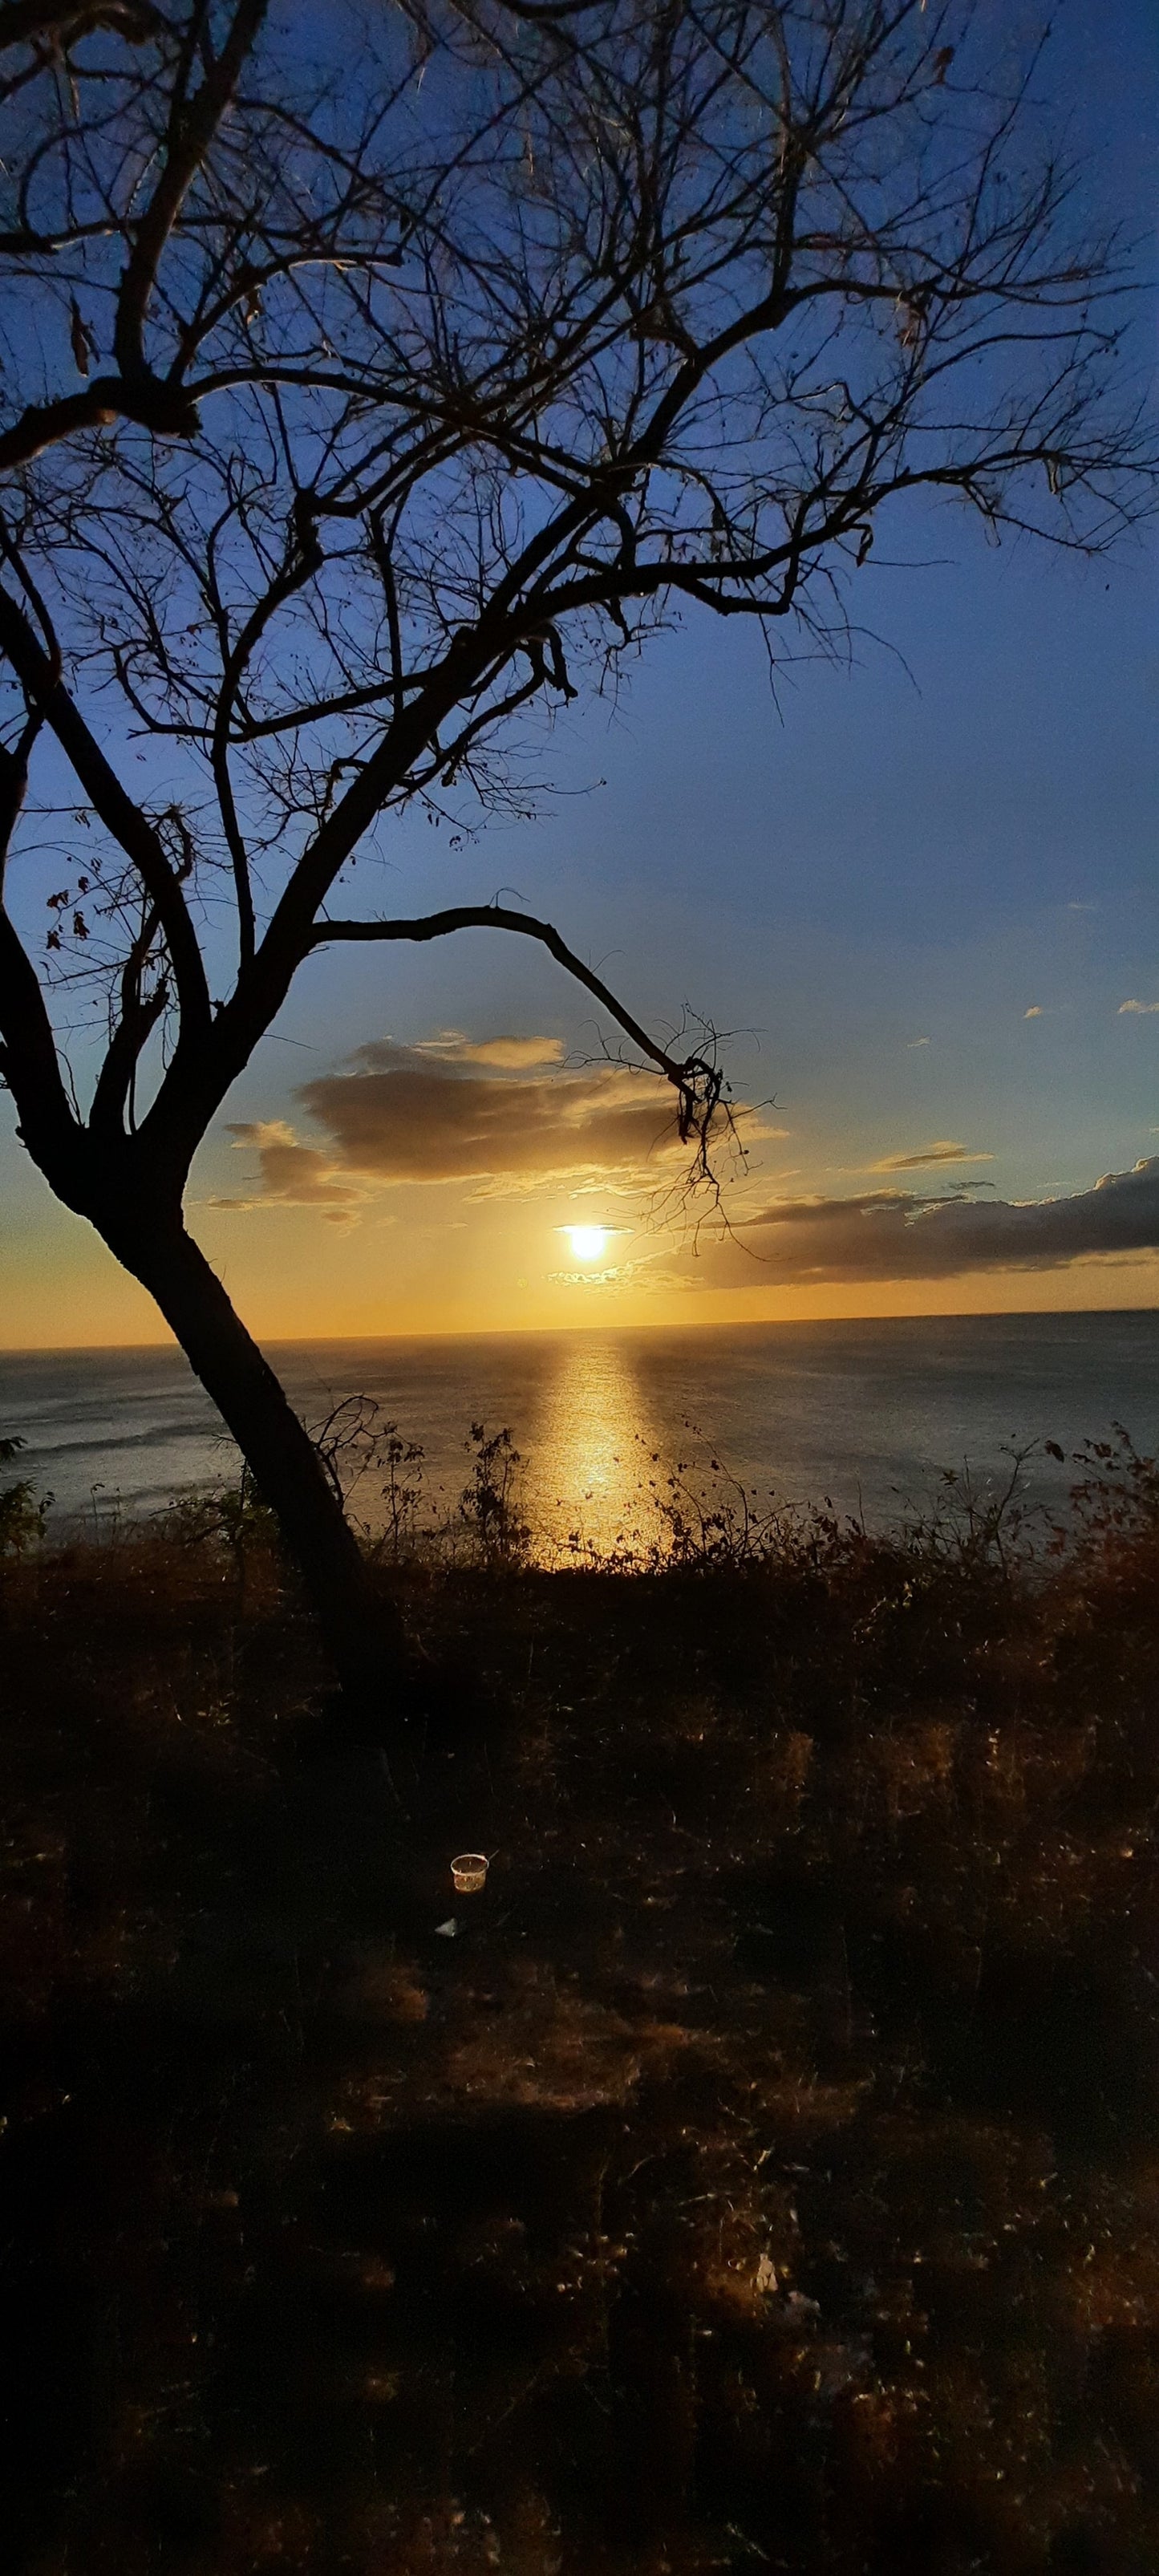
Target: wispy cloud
[1142, 1010]
[506, 1054]
[945, 1152]
[894, 1234]
[1035, 1012]
[911, 1043]
[515, 1055]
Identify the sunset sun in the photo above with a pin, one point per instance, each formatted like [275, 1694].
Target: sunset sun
[587, 1241]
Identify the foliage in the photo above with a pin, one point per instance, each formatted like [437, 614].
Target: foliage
[401, 1493]
[233, 1517]
[977, 1526]
[489, 1506]
[708, 1519]
[348, 1441]
[1115, 1501]
[704, 1516]
[23, 1513]
[357, 1441]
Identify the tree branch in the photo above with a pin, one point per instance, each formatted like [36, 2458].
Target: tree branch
[30, 1067]
[128, 825]
[191, 130]
[697, 1083]
[23, 22]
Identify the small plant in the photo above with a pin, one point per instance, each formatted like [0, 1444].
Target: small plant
[23, 1513]
[402, 1493]
[1115, 1503]
[349, 1442]
[977, 1528]
[489, 1503]
[707, 1516]
[698, 1516]
[356, 1441]
[234, 1518]
[711, 1520]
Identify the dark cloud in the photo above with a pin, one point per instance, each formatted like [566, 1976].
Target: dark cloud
[498, 1112]
[892, 1234]
[403, 1114]
[293, 1175]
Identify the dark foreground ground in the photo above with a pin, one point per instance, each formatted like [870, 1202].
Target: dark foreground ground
[766, 2174]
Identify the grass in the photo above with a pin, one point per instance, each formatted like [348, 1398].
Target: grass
[764, 2175]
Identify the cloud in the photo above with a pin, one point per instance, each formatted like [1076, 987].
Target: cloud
[499, 1113]
[911, 1043]
[401, 1114]
[1142, 1009]
[507, 1054]
[1035, 1012]
[293, 1175]
[893, 1234]
[946, 1152]
[514, 1055]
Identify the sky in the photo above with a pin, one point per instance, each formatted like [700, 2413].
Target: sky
[916, 896]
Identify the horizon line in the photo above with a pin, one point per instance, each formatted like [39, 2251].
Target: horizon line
[529, 1332]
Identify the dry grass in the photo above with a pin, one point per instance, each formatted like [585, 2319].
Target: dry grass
[762, 2175]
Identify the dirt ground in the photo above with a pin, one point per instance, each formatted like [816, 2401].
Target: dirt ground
[762, 2173]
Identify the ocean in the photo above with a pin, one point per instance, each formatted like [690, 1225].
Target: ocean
[866, 1414]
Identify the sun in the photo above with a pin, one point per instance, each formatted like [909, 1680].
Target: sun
[587, 1241]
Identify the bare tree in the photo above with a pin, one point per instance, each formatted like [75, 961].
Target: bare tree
[452, 351]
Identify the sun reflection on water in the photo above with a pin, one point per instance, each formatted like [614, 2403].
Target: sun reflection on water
[590, 1452]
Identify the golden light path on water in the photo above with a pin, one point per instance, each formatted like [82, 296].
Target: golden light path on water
[590, 1452]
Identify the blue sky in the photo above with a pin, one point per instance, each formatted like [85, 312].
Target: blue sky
[895, 850]
[870, 882]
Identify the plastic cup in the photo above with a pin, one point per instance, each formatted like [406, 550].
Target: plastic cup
[469, 1872]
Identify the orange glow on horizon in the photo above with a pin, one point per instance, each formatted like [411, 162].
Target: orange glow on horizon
[294, 1279]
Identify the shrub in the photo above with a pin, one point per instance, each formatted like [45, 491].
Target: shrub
[23, 1513]
[489, 1503]
[233, 1517]
[1115, 1503]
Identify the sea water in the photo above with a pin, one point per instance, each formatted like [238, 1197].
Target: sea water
[866, 1414]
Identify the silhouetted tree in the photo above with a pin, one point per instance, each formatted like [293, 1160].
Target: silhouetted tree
[427, 359]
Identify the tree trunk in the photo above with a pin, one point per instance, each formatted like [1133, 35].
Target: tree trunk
[363, 1633]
